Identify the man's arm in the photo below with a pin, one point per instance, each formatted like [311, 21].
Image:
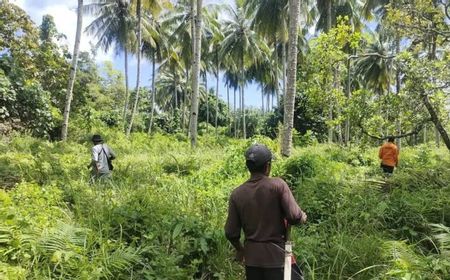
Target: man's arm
[380, 153]
[233, 226]
[294, 215]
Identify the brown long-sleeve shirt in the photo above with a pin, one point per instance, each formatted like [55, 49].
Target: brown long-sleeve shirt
[259, 207]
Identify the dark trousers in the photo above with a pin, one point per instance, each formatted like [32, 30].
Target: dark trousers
[261, 273]
[387, 169]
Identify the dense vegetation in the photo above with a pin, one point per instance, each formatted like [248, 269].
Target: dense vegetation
[366, 70]
[162, 216]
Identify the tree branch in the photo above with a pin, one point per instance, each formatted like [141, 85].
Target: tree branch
[371, 54]
[415, 131]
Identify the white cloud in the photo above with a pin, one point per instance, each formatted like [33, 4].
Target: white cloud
[65, 17]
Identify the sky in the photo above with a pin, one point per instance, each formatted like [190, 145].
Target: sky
[64, 14]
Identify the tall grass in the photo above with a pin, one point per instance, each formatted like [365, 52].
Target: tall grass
[162, 215]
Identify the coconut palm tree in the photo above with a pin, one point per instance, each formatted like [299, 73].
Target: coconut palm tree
[374, 69]
[153, 8]
[112, 28]
[288, 121]
[180, 20]
[271, 21]
[328, 11]
[197, 31]
[154, 47]
[231, 78]
[73, 71]
[241, 44]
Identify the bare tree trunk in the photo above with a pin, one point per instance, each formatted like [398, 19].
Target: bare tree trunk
[234, 113]
[196, 74]
[289, 102]
[138, 74]
[435, 119]
[153, 93]
[262, 101]
[239, 111]
[217, 93]
[284, 67]
[228, 103]
[330, 127]
[348, 95]
[398, 82]
[207, 102]
[175, 85]
[186, 92]
[73, 71]
[244, 126]
[277, 85]
[329, 4]
[125, 107]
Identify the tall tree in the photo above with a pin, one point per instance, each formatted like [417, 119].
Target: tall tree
[243, 45]
[288, 121]
[196, 73]
[112, 27]
[73, 71]
[138, 71]
[153, 8]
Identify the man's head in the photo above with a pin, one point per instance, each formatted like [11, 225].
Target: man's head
[97, 139]
[258, 159]
[391, 139]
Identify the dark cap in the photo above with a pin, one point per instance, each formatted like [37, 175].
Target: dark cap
[96, 138]
[259, 154]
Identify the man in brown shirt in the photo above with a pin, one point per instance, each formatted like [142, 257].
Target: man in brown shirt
[260, 207]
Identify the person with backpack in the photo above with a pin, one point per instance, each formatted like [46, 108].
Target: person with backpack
[260, 208]
[102, 156]
[388, 154]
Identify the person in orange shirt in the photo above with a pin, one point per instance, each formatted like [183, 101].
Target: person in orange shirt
[389, 156]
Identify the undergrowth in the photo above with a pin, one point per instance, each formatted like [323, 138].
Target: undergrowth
[162, 215]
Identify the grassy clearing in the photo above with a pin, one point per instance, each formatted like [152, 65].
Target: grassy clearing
[162, 216]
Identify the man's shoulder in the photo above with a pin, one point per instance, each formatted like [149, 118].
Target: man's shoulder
[277, 181]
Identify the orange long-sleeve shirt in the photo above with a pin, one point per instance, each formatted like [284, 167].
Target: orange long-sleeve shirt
[388, 154]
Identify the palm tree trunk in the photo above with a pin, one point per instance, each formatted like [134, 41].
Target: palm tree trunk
[73, 71]
[348, 95]
[244, 126]
[196, 74]
[217, 92]
[330, 127]
[125, 107]
[207, 101]
[153, 94]
[138, 74]
[183, 110]
[262, 100]
[234, 113]
[284, 67]
[175, 93]
[398, 82]
[329, 4]
[268, 102]
[239, 113]
[288, 119]
[277, 85]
